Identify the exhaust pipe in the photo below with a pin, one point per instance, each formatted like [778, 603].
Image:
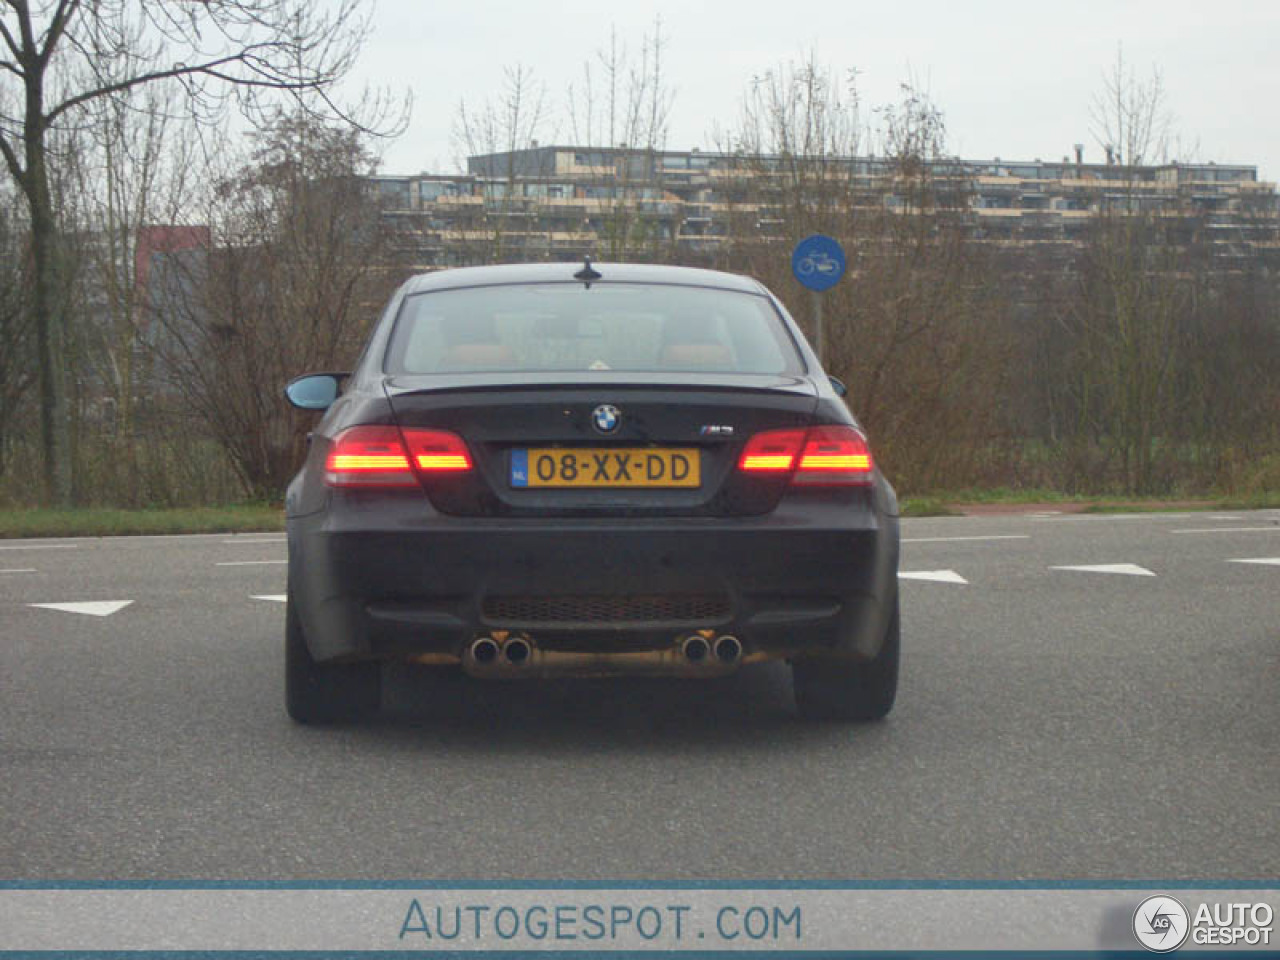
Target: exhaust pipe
[484, 650]
[728, 648]
[695, 649]
[517, 650]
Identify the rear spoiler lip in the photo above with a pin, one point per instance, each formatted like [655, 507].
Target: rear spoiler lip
[407, 385]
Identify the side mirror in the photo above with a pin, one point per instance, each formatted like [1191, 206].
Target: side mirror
[315, 391]
[838, 386]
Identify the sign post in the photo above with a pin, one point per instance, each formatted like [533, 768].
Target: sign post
[818, 263]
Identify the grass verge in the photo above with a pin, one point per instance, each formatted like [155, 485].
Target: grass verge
[925, 507]
[114, 523]
[954, 503]
[1260, 501]
[258, 518]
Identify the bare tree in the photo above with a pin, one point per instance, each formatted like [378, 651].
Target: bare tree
[915, 328]
[16, 346]
[800, 131]
[58, 58]
[621, 109]
[1129, 116]
[512, 123]
[1123, 317]
[291, 278]
[141, 173]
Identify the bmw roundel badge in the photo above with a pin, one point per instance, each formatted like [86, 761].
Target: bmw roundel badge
[606, 418]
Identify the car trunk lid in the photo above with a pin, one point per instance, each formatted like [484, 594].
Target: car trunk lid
[516, 424]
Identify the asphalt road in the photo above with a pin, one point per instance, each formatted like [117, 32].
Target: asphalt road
[1051, 724]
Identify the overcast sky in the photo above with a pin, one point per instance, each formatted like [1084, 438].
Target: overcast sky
[1014, 79]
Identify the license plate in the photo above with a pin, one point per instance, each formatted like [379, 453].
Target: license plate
[625, 467]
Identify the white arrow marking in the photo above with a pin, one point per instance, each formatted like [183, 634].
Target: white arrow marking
[938, 576]
[277, 597]
[1132, 569]
[1270, 561]
[94, 608]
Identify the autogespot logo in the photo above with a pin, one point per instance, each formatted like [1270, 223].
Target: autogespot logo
[1161, 923]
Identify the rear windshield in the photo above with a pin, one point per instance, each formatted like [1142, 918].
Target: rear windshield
[614, 326]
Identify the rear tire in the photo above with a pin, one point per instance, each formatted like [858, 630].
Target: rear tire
[325, 692]
[840, 690]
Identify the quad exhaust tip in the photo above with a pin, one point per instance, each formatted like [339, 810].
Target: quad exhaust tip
[698, 649]
[728, 649]
[695, 649]
[489, 651]
[484, 650]
[517, 651]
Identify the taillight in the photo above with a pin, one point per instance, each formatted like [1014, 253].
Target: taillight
[438, 451]
[376, 456]
[773, 451]
[832, 455]
[368, 457]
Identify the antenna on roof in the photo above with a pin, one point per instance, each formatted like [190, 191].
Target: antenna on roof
[588, 273]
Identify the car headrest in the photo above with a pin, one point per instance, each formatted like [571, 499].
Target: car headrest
[696, 355]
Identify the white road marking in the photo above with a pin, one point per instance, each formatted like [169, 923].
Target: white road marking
[1149, 515]
[249, 563]
[94, 608]
[1218, 516]
[1269, 561]
[1008, 536]
[19, 570]
[1132, 569]
[277, 597]
[265, 540]
[938, 576]
[44, 546]
[1273, 529]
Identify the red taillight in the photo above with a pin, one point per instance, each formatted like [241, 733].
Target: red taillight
[836, 455]
[376, 456]
[773, 451]
[438, 451]
[368, 457]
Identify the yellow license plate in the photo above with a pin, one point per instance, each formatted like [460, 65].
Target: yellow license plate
[614, 467]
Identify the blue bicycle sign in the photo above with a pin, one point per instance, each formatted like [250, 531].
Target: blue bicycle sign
[818, 262]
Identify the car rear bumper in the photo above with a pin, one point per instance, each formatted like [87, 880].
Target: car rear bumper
[405, 582]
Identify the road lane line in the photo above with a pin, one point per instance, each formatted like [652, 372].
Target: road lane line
[1150, 515]
[275, 597]
[45, 546]
[271, 540]
[1008, 536]
[1275, 529]
[1131, 569]
[19, 570]
[1268, 561]
[248, 563]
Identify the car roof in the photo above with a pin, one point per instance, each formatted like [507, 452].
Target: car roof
[564, 273]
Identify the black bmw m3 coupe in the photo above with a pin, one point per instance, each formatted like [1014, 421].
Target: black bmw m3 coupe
[584, 470]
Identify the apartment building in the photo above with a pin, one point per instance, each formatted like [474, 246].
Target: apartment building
[561, 202]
